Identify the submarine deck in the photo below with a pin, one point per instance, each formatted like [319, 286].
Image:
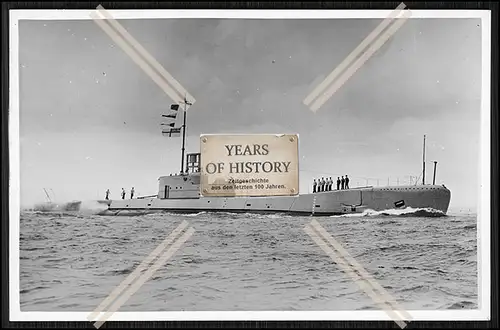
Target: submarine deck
[353, 200]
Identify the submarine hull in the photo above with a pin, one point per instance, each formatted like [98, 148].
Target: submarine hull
[337, 202]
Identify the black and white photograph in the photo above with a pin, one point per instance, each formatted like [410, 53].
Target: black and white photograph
[263, 165]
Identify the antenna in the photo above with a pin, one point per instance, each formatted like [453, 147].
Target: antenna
[48, 196]
[434, 176]
[53, 194]
[184, 133]
[423, 163]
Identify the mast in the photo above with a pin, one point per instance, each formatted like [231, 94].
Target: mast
[183, 140]
[176, 131]
[434, 176]
[423, 164]
[184, 134]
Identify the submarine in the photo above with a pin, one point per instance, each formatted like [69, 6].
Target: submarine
[181, 193]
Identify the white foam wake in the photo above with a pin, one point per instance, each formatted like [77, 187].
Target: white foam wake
[92, 206]
[408, 211]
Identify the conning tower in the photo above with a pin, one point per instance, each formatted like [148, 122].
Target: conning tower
[182, 185]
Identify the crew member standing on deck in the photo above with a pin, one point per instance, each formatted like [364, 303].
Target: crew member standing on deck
[330, 184]
[323, 183]
[338, 183]
[346, 182]
[132, 193]
[107, 194]
[342, 183]
[315, 184]
[123, 193]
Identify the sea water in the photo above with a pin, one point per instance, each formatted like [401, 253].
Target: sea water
[232, 262]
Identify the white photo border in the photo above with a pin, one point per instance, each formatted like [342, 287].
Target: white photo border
[483, 313]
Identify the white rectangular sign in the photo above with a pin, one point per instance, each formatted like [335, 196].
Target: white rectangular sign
[249, 165]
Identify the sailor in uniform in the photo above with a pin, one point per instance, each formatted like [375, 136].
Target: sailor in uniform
[342, 182]
[107, 194]
[346, 182]
[338, 183]
[132, 193]
[323, 184]
[330, 184]
[123, 193]
[315, 184]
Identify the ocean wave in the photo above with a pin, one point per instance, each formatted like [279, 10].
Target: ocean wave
[189, 215]
[123, 271]
[464, 304]
[414, 288]
[409, 211]
[258, 258]
[36, 288]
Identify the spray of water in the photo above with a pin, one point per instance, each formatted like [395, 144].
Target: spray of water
[92, 206]
[409, 211]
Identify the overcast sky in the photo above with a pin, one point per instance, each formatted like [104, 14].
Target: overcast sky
[90, 117]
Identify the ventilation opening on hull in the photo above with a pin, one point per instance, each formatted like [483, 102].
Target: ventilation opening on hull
[400, 203]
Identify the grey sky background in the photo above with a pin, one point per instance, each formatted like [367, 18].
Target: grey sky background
[90, 117]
